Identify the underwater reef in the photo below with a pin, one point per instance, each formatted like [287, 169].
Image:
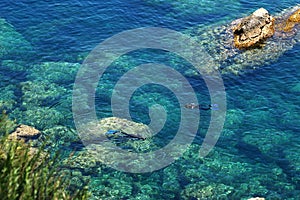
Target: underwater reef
[40, 95]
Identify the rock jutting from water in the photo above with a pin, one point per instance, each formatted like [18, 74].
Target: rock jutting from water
[218, 41]
[254, 29]
[26, 135]
[292, 21]
[24, 132]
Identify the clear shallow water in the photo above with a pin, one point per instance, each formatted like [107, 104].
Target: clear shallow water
[258, 151]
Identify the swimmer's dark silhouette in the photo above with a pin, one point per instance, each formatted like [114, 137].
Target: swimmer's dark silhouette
[198, 106]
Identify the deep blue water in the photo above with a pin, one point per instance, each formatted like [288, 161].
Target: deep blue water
[258, 152]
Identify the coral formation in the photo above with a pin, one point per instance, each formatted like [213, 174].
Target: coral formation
[36, 105]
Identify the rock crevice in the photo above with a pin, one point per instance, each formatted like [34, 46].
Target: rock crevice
[254, 29]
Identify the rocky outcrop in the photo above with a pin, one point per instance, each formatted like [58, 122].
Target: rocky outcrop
[254, 29]
[218, 41]
[21, 137]
[24, 132]
[292, 21]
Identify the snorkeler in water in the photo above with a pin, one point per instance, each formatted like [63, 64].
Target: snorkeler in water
[198, 106]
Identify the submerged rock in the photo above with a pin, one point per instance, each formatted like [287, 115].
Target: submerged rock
[59, 136]
[12, 43]
[267, 141]
[202, 190]
[84, 161]
[254, 29]
[61, 73]
[127, 133]
[8, 99]
[44, 94]
[114, 126]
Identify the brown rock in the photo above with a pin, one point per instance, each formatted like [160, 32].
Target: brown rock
[24, 132]
[254, 29]
[292, 21]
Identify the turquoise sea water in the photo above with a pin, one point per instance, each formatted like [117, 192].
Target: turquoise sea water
[258, 152]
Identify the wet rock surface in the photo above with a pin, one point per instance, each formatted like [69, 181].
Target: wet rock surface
[292, 21]
[254, 29]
